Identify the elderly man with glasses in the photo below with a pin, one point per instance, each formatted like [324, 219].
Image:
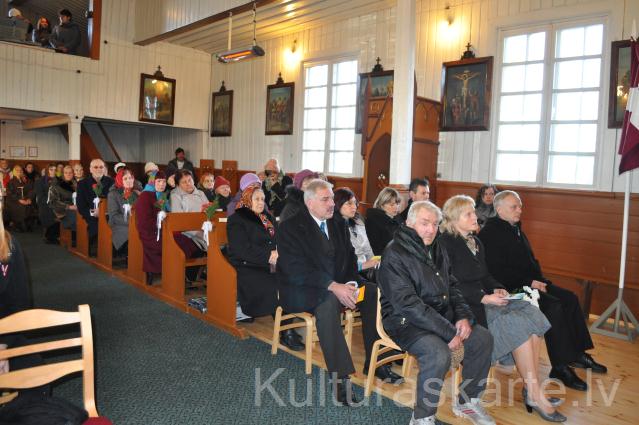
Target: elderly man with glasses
[96, 185]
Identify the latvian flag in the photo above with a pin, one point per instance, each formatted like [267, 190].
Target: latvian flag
[629, 144]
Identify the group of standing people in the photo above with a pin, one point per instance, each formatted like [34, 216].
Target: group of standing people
[66, 37]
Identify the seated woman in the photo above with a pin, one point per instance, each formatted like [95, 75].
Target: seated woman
[151, 201]
[78, 172]
[381, 220]
[30, 172]
[484, 203]
[294, 201]
[346, 209]
[186, 198]
[45, 211]
[61, 198]
[20, 200]
[516, 325]
[206, 184]
[121, 198]
[222, 192]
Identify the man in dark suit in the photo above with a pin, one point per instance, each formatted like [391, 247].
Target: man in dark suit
[512, 262]
[316, 260]
[418, 190]
[96, 185]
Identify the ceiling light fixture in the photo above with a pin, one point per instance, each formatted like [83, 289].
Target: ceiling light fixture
[243, 53]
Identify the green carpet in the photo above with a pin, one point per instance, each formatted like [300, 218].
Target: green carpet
[156, 365]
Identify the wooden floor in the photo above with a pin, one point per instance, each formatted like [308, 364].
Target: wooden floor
[611, 400]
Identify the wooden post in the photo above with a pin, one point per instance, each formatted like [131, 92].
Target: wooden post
[66, 238]
[81, 237]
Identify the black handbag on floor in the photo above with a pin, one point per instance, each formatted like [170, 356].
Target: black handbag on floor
[37, 409]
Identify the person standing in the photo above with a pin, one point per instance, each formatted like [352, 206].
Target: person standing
[66, 37]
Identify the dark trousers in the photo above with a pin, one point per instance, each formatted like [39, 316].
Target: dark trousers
[433, 357]
[331, 336]
[568, 337]
[52, 233]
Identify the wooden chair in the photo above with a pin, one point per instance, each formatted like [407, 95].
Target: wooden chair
[40, 375]
[105, 235]
[174, 262]
[307, 322]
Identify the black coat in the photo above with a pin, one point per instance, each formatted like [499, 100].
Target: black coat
[419, 298]
[380, 229]
[471, 272]
[250, 246]
[45, 213]
[293, 204]
[275, 197]
[509, 255]
[14, 286]
[85, 196]
[308, 262]
[172, 167]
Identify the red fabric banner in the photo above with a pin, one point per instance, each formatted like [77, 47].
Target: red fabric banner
[629, 143]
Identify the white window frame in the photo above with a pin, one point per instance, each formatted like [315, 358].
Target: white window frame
[357, 159]
[551, 28]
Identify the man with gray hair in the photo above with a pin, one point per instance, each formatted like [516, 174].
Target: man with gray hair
[425, 314]
[317, 273]
[512, 262]
[96, 185]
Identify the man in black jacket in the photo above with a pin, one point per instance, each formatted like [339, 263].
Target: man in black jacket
[66, 37]
[96, 185]
[512, 262]
[426, 315]
[316, 260]
[418, 190]
[178, 163]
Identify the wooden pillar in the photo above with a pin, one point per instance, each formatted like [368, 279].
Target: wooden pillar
[403, 94]
[74, 129]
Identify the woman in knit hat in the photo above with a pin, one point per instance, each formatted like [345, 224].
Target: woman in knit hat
[295, 193]
[247, 180]
[222, 192]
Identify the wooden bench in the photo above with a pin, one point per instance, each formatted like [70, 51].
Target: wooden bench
[105, 243]
[134, 272]
[66, 237]
[81, 237]
[174, 262]
[221, 288]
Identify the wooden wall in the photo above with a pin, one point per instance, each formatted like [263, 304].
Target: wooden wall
[575, 232]
[50, 142]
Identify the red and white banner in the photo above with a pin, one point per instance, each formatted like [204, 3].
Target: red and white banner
[629, 144]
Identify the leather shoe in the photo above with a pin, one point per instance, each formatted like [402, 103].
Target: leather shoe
[344, 394]
[585, 361]
[386, 374]
[292, 340]
[569, 378]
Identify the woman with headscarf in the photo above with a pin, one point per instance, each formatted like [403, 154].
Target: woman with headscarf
[151, 201]
[121, 198]
[253, 252]
[20, 200]
[61, 198]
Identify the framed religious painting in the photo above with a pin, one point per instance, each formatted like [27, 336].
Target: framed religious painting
[157, 98]
[222, 112]
[619, 82]
[279, 107]
[381, 86]
[466, 94]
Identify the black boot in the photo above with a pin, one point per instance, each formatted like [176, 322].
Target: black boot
[292, 340]
[149, 278]
[568, 376]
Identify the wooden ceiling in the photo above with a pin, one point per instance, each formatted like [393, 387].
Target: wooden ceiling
[273, 19]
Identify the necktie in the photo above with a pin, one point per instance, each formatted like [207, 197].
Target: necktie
[323, 228]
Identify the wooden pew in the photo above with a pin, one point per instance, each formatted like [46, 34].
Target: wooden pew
[221, 288]
[66, 237]
[81, 237]
[134, 272]
[174, 261]
[105, 244]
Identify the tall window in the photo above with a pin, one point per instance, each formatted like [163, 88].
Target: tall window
[329, 116]
[549, 117]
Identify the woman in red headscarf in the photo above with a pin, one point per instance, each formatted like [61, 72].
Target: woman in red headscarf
[121, 198]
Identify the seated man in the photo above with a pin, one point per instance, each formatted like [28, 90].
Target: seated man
[512, 262]
[418, 190]
[316, 260]
[96, 185]
[426, 315]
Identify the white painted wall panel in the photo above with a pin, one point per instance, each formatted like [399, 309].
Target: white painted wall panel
[49, 141]
[159, 144]
[125, 138]
[39, 79]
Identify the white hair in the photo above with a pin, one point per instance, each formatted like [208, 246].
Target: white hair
[499, 198]
[313, 187]
[416, 207]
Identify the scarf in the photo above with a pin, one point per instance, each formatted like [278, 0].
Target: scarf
[128, 194]
[246, 201]
[471, 243]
